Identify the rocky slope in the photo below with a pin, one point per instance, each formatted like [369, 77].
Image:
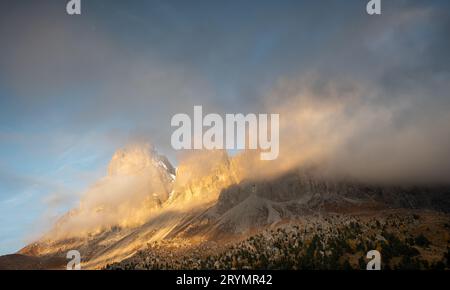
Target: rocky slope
[213, 198]
[406, 239]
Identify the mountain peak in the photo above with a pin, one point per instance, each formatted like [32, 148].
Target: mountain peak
[139, 181]
[135, 159]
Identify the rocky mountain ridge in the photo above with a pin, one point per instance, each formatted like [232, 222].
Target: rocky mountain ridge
[213, 197]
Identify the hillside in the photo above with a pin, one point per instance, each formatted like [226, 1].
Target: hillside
[213, 198]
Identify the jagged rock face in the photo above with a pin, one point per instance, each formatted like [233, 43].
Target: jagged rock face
[143, 160]
[138, 182]
[214, 196]
[138, 159]
[254, 204]
[227, 193]
[201, 176]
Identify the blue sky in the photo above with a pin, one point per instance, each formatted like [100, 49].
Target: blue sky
[73, 89]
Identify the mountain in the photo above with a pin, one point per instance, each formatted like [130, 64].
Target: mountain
[211, 198]
[26, 262]
[139, 181]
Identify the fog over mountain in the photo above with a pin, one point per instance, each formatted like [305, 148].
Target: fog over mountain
[213, 197]
[363, 102]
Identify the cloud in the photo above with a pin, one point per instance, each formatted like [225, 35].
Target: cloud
[133, 189]
[365, 97]
[130, 67]
[343, 127]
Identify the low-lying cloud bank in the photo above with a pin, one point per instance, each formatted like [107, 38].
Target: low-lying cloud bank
[349, 130]
[341, 128]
